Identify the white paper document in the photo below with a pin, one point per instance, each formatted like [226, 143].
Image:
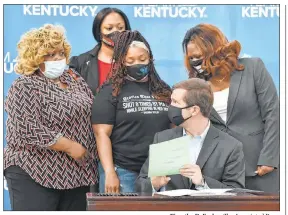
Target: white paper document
[174, 153]
[204, 192]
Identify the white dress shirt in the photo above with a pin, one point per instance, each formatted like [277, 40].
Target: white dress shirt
[220, 103]
[195, 148]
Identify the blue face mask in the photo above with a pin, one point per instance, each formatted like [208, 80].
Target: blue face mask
[137, 71]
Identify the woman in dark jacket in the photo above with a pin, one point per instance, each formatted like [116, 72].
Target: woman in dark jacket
[95, 64]
[246, 104]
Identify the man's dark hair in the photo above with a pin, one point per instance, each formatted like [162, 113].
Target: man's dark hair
[198, 93]
[96, 30]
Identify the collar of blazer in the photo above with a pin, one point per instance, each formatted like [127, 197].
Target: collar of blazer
[235, 81]
[95, 50]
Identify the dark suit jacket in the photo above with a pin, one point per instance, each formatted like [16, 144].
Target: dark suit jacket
[253, 119]
[86, 65]
[221, 161]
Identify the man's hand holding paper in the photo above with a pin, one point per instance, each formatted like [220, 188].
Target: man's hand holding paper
[193, 172]
[168, 157]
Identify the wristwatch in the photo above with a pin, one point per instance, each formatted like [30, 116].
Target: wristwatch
[203, 182]
[201, 186]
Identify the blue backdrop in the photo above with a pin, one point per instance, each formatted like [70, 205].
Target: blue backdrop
[256, 27]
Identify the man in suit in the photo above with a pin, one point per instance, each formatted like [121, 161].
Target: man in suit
[219, 157]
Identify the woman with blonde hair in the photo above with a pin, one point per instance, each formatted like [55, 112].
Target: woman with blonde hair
[246, 104]
[50, 157]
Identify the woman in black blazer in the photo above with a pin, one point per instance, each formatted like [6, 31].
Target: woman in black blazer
[246, 104]
[95, 64]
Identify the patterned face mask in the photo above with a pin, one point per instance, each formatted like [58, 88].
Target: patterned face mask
[196, 65]
[137, 71]
[108, 38]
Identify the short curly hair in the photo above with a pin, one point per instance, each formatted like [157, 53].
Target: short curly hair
[37, 43]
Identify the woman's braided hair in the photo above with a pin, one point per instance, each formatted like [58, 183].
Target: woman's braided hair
[157, 87]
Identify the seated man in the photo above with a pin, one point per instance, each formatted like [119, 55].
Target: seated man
[219, 157]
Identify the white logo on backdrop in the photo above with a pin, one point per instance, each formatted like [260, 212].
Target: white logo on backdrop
[9, 63]
[59, 10]
[259, 11]
[170, 11]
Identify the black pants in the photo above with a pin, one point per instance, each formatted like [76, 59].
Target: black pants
[27, 195]
[94, 188]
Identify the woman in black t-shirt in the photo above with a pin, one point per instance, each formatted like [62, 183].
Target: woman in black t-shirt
[129, 109]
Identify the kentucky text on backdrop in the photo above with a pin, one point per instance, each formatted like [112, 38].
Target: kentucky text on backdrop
[164, 26]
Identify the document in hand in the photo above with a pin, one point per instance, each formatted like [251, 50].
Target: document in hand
[168, 157]
[205, 192]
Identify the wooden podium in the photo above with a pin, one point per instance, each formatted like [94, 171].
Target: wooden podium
[241, 202]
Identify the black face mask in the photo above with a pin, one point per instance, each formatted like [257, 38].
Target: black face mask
[108, 39]
[137, 71]
[175, 114]
[202, 74]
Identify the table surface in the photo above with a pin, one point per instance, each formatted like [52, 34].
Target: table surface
[145, 202]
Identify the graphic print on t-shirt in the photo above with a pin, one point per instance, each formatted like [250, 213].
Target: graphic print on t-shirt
[143, 104]
[136, 117]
